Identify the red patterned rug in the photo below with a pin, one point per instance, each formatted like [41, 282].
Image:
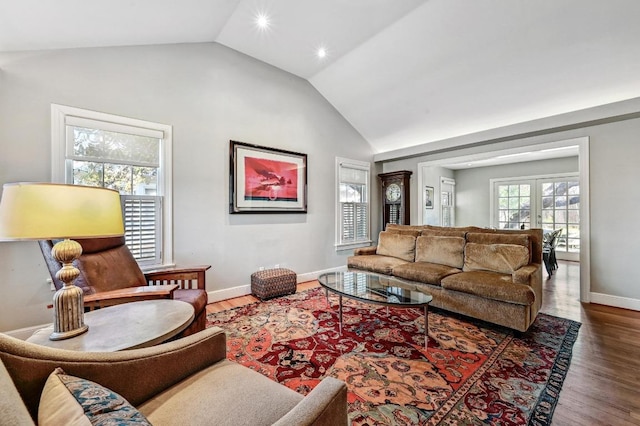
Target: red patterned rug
[472, 372]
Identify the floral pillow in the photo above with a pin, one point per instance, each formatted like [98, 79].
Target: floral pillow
[68, 400]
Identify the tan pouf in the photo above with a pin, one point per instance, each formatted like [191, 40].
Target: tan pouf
[273, 282]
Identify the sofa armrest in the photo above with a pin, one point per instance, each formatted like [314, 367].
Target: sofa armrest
[325, 405]
[363, 251]
[136, 374]
[524, 274]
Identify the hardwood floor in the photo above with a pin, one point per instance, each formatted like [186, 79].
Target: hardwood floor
[603, 383]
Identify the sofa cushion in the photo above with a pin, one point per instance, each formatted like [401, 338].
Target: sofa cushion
[397, 245]
[68, 400]
[490, 285]
[412, 232]
[498, 238]
[429, 273]
[502, 258]
[415, 228]
[374, 263]
[236, 389]
[444, 232]
[443, 250]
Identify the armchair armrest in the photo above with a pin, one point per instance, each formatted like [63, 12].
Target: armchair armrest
[136, 374]
[185, 278]
[361, 251]
[326, 405]
[129, 294]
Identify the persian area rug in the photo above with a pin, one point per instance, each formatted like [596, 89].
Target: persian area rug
[472, 372]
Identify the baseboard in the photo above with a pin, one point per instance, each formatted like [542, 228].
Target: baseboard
[243, 290]
[228, 293]
[310, 276]
[616, 301]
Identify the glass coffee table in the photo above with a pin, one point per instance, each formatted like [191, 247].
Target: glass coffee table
[377, 289]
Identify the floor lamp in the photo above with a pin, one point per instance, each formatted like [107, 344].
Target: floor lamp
[47, 211]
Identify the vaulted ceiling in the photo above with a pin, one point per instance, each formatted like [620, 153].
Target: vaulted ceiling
[402, 72]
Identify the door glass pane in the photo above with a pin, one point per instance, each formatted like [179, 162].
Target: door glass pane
[574, 202]
[560, 210]
[514, 206]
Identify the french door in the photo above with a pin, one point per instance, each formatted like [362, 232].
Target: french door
[550, 203]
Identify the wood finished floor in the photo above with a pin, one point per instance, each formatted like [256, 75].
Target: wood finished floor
[603, 383]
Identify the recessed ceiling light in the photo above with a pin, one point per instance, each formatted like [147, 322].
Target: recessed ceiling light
[322, 52]
[262, 21]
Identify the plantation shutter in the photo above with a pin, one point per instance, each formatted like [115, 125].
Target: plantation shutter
[354, 203]
[142, 215]
[348, 222]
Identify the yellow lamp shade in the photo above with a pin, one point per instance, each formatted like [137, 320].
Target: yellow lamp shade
[39, 211]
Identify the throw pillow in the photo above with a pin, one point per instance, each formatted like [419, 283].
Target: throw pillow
[68, 400]
[502, 258]
[441, 250]
[397, 245]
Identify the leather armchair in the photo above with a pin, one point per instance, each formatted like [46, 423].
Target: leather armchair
[109, 275]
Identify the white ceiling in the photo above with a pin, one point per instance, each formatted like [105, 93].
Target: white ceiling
[402, 72]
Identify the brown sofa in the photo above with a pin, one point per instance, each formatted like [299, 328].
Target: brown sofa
[492, 275]
[188, 381]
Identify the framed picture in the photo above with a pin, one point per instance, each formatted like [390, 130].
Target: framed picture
[266, 180]
[428, 197]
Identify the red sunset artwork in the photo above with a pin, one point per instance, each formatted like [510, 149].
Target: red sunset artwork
[270, 180]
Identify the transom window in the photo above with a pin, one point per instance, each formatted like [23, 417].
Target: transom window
[130, 156]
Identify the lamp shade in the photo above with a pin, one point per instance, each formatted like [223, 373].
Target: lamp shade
[39, 211]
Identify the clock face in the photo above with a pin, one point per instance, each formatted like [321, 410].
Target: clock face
[393, 192]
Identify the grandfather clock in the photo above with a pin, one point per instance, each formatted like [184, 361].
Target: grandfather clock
[395, 197]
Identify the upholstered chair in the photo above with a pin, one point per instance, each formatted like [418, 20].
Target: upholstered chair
[109, 275]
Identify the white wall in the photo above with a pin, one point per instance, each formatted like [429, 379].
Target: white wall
[474, 192]
[209, 94]
[615, 201]
[431, 176]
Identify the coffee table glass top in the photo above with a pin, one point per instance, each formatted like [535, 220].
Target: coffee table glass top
[373, 288]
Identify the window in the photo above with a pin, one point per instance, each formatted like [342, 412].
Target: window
[130, 156]
[352, 214]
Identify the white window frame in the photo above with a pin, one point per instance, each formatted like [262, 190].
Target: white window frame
[60, 114]
[361, 165]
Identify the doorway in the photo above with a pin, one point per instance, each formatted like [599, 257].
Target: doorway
[427, 169]
[447, 201]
